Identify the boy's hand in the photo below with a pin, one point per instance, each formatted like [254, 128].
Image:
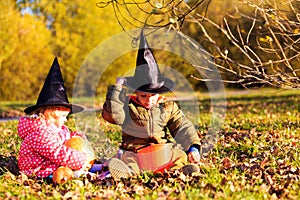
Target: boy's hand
[121, 81]
[193, 155]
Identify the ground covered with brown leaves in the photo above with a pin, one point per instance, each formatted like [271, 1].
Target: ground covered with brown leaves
[256, 156]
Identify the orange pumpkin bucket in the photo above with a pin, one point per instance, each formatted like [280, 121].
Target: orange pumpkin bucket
[155, 157]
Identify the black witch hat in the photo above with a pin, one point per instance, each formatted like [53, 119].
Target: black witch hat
[53, 92]
[147, 77]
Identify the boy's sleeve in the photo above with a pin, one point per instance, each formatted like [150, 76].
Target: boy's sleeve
[182, 129]
[113, 108]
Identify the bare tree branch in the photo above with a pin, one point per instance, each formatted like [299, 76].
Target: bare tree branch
[265, 40]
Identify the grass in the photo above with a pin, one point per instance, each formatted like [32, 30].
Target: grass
[256, 155]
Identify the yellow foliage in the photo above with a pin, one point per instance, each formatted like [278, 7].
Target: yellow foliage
[69, 30]
[26, 54]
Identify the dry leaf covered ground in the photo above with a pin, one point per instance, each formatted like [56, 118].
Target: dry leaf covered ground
[256, 156]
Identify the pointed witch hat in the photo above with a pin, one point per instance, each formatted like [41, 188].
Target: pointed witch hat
[147, 77]
[54, 92]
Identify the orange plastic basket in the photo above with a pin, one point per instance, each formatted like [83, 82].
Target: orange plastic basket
[155, 156]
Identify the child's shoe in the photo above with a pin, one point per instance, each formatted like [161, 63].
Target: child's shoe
[190, 168]
[118, 169]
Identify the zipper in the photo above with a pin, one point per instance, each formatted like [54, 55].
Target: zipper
[150, 123]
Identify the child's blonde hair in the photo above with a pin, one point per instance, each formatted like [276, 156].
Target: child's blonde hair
[49, 111]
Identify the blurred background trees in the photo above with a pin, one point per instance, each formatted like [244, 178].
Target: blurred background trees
[24, 52]
[33, 32]
[252, 43]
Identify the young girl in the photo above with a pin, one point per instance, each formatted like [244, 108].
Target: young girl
[44, 134]
[145, 118]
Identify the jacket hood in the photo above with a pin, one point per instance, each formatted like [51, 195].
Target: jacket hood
[28, 125]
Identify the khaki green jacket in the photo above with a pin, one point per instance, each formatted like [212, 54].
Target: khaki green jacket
[141, 126]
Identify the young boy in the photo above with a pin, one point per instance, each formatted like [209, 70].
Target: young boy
[43, 150]
[145, 118]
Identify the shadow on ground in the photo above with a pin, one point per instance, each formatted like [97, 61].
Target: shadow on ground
[9, 164]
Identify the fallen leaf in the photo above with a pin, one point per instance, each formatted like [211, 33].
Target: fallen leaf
[226, 162]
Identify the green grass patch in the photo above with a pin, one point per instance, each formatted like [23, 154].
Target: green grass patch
[256, 154]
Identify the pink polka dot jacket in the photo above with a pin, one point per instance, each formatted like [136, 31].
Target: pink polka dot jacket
[43, 150]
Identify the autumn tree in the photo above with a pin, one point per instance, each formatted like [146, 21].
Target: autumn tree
[25, 54]
[34, 32]
[252, 43]
[77, 27]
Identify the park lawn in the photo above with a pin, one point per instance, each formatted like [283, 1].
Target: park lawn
[256, 156]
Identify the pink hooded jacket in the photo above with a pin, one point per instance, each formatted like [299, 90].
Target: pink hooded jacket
[43, 150]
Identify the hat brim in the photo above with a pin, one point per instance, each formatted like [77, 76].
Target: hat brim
[132, 83]
[74, 107]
